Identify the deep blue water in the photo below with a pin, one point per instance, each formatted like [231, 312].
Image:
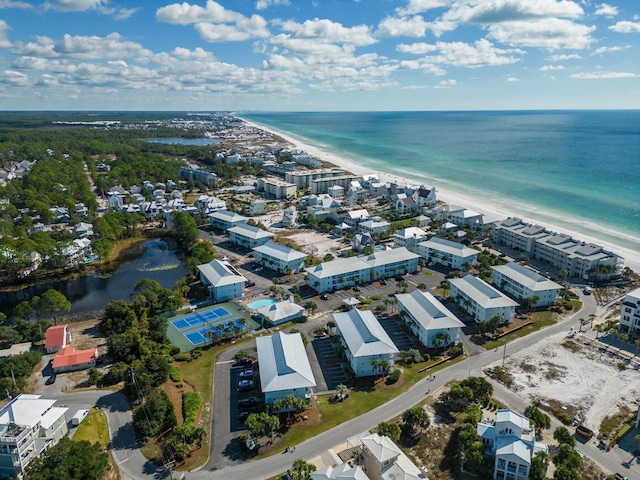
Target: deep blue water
[579, 169]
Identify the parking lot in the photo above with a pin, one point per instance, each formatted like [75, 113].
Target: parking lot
[395, 331]
[329, 366]
[243, 400]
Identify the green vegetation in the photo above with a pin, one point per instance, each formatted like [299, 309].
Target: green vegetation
[389, 429]
[543, 319]
[94, 428]
[191, 403]
[71, 460]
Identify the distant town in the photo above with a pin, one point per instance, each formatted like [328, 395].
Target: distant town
[328, 325]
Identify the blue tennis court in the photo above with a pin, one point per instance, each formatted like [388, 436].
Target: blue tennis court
[200, 318]
[200, 336]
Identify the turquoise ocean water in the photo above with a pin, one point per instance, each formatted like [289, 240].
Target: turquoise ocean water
[579, 169]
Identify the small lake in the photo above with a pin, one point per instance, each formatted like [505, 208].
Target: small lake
[199, 142]
[92, 292]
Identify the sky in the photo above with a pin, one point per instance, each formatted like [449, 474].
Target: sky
[319, 55]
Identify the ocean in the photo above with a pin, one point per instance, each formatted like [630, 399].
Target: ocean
[579, 169]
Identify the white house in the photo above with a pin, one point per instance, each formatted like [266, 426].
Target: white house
[511, 440]
[248, 236]
[447, 253]
[280, 312]
[374, 226]
[29, 425]
[83, 229]
[284, 367]
[342, 471]
[522, 282]
[224, 219]
[257, 207]
[384, 460]
[278, 257]
[222, 279]
[480, 300]
[630, 313]
[364, 340]
[353, 218]
[409, 238]
[428, 319]
[289, 217]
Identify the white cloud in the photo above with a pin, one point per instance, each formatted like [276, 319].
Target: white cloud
[626, 27]
[498, 11]
[603, 75]
[607, 10]
[263, 4]
[419, 6]
[512, 79]
[564, 56]
[78, 5]
[446, 83]
[547, 68]
[481, 53]
[619, 48]
[414, 26]
[125, 13]
[419, 48]
[14, 78]
[15, 4]
[549, 33]
[4, 41]
[333, 32]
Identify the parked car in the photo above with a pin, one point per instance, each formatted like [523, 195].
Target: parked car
[51, 380]
[246, 374]
[356, 288]
[242, 416]
[259, 269]
[324, 296]
[247, 403]
[619, 476]
[242, 362]
[245, 384]
[383, 282]
[322, 334]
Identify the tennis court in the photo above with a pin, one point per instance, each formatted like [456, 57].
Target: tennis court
[199, 318]
[200, 336]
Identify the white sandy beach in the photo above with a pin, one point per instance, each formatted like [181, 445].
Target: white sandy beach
[632, 258]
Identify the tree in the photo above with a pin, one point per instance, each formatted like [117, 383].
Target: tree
[566, 473]
[9, 336]
[71, 460]
[540, 420]
[185, 230]
[566, 456]
[342, 391]
[381, 366]
[310, 305]
[53, 303]
[539, 463]
[564, 437]
[416, 420]
[301, 470]
[389, 429]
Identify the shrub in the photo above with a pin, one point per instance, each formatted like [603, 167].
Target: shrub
[175, 374]
[182, 357]
[197, 353]
[394, 376]
[191, 402]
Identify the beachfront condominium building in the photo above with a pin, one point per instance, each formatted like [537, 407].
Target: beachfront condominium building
[321, 185]
[350, 271]
[276, 188]
[364, 341]
[523, 282]
[445, 252]
[428, 319]
[222, 280]
[29, 425]
[579, 259]
[480, 300]
[248, 236]
[224, 219]
[302, 178]
[280, 258]
[630, 313]
[206, 178]
[284, 367]
[410, 238]
[511, 441]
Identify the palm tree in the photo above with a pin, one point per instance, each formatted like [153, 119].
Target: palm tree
[342, 391]
[416, 420]
[357, 455]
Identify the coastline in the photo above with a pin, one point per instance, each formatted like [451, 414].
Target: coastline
[631, 257]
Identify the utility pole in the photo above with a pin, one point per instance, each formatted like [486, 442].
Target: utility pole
[504, 354]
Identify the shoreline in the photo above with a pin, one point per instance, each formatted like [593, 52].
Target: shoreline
[631, 257]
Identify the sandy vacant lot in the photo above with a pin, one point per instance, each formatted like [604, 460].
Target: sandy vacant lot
[317, 244]
[587, 378]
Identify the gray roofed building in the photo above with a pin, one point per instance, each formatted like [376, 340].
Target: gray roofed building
[224, 219]
[523, 282]
[222, 279]
[481, 300]
[281, 312]
[447, 253]
[248, 236]
[279, 257]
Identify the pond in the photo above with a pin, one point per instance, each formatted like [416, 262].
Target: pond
[92, 292]
[199, 142]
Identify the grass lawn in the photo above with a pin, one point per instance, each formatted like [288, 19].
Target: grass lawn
[543, 319]
[94, 428]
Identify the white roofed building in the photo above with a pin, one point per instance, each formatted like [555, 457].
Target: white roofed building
[248, 236]
[392, 262]
[630, 312]
[480, 300]
[409, 238]
[284, 367]
[384, 460]
[522, 282]
[447, 253]
[343, 471]
[280, 312]
[222, 279]
[224, 219]
[364, 340]
[428, 318]
[374, 226]
[278, 257]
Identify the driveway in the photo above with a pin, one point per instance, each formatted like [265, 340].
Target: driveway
[395, 331]
[328, 372]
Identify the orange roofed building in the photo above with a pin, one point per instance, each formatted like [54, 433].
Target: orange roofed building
[57, 337]
[69, 359]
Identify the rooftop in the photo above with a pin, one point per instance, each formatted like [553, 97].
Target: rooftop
[428, 311]
[481, 292]
[363, 333]
[526, 276]
[283, 363]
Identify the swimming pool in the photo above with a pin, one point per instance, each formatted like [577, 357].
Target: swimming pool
[261, 302]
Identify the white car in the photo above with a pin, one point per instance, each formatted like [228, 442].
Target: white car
[246, 374]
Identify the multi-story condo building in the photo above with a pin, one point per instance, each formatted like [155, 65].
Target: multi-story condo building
[630, 313]
[481, 300]
[302, 178]
[248, 236]
[278, 257]
[224, 219]
[222, 280]
[447, 253]
[321, 185]
[206, 178]
[276, 188]
[523, 282]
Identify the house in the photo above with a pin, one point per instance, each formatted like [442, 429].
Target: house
[467, 217]
[81, 210]
[280, 312]
[29, 424]
[280, 258]
[364, 340]
[374, 226]
[409, 238]
[428, 319]
[208, 204]
[511, 440]
[248, 236]
[289, 217]
[362, 240]
[343, 471]
[353, 218]
[222, 279]
[481, 300]
[276, 188]
[83, 229]
[522, 282]
[425, 197]
[56, 337]
[115, 200]
[224, 219]
[336, 191]
[68, 359]
[384, 460]
[445, 252]
[405, 203]
[630, 312]
[257, 207]
[284, 367]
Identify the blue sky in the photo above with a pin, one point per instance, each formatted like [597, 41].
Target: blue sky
[319, 54]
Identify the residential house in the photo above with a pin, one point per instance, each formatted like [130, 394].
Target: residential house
[280, 258]
[511, 440]
[222, 280]
[353, 218]
[480, 300]
[428, 319]
[342, 471]
[15, 349]
[374, 226]
[467, 217]
[360, 241]
[29, 424]
[280, 312]
[257, 207]
[115, 200]
[81, 210]
[425, 197]
[410, 238]
[284, 367]
[224, 219]
[83, 229]
[248, 236]
[522, 282]
[276, 188]
[60, 215]
[289, 217]
[630, 312]
[320, 206]
[405, 203]
[384, 460]
[56, 338]
[208, 204]
[445, 252]
[364, 340]
[336, 191]
[68, 359]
